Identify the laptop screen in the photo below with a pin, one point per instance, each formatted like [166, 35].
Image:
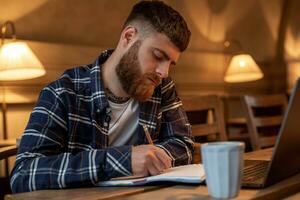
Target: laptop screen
[285, 160]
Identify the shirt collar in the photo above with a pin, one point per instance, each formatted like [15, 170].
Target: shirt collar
[97, 83]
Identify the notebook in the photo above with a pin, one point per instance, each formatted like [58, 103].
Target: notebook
[190, 174]
[285, 160]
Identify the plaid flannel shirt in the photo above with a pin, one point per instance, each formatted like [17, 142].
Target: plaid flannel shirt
[65, 143]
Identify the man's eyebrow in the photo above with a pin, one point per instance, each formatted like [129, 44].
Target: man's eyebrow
[166, 56]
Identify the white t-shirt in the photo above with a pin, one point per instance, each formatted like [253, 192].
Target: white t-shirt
[123, 123]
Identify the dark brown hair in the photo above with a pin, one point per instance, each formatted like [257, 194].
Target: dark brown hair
[163, 19]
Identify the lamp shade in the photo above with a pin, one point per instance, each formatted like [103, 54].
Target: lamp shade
[18, 62]
[242, 68]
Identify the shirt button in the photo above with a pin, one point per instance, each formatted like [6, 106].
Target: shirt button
[98, 110]
[108, 110]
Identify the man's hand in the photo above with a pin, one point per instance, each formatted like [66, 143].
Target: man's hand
[149, 160]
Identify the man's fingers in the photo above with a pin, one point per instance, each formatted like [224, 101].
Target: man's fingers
[164, 158]
[149, 159]
[152, 170]
[157, 163]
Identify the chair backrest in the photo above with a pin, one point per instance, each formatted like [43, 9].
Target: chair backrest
[6, 152]
[198, 108]
[8, 148]
[264, 117]
[206, 115]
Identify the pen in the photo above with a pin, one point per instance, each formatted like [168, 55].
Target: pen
[147, 134]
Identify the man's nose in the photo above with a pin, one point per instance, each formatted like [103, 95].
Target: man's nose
[163, 70]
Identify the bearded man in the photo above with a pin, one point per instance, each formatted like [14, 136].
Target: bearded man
[88, 125]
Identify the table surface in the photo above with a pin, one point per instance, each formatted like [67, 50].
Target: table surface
[287, 188]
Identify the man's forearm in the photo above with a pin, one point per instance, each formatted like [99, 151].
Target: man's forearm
[36, 171]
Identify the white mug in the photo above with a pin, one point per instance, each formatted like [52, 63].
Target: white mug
[223, 164]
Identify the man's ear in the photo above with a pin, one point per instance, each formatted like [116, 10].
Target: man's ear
[129, 35]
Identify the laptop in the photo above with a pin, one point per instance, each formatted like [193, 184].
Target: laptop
[285, 160]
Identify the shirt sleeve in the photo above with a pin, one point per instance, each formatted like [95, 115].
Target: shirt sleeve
[176, 137]
[43, 160]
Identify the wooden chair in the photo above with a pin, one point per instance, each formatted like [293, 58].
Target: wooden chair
[198, 109]
[7, 142]
[5, 153]
[235, 120]
[264, 116]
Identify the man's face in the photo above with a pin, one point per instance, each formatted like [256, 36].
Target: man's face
[143, 66]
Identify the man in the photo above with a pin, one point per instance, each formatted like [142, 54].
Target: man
[88, 125]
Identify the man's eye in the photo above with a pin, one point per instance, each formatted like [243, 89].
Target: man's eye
[158, 55]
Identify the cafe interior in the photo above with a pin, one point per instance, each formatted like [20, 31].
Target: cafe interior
[234, 79]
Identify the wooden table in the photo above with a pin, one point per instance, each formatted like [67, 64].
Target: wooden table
[288, 188]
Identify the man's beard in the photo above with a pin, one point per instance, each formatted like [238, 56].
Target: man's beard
[134, 83]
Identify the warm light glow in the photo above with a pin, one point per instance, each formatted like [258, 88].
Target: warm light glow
[242, 63]
[18, 62]
[293, 73]
[292, 45]
[242, 68]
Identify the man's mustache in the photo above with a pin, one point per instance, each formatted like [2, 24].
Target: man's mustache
[154, 77]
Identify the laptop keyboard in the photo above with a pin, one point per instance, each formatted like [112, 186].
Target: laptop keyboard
[255, 171]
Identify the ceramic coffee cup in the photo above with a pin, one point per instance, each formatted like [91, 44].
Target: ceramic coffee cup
[223, 163]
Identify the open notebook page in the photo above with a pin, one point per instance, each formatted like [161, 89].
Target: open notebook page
[193, 173]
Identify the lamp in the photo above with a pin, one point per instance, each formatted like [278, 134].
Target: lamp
[17, 62]
[242, 68]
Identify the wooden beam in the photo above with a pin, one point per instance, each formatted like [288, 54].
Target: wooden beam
[278, 61]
